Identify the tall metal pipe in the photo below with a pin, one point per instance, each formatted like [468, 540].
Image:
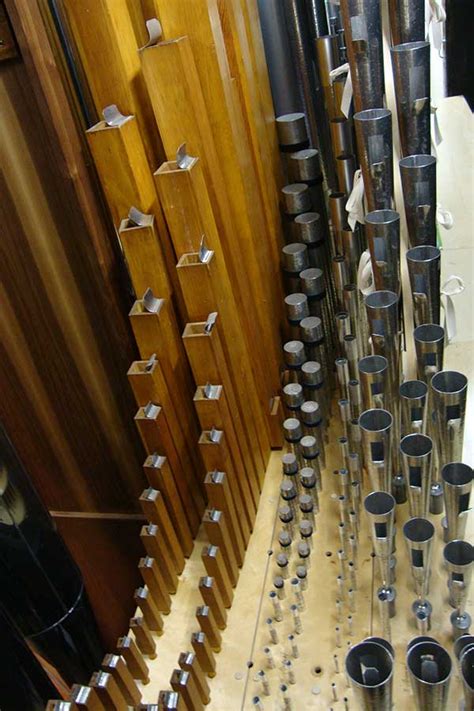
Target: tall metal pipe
[418, 174]
[373, 380]
[429, 668]
[376, 431]
[413, 407]
[416, 450]
[424, 270]
[369, 668]
[281, 70]
[318, 21]
[419, 534]
[374, 145]
[383, 237]
[341, 136]
[327, 58]
[429, 345]
[411, 74]
[382, 314]
[448, 412]
[457, 485]
[308, 229]
[363, 35]
[407, 20]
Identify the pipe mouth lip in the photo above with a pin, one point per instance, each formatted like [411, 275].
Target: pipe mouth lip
[409, 46]
[295, 189]
[295, 116]
[337, 196]
[305, 153]
[423, 253]
[375, 420]
[382, 217]
[459, 553]
[467, 668]
[379, 503]
[418, 530]
[339, 119]
[372, 115]
[429, 333]
[417, 161]
[380, 655]
[383, 643]
[420, 638]
[457, 473]
[381, 299]
[441, 657]
[294, 248]
[373, 364]
[413, 389]
[449, 381]
[416, 445]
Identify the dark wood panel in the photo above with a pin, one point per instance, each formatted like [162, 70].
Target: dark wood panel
[107, 551]
[66, 344]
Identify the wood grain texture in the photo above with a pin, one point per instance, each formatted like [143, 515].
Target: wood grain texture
[104, 32]
[177, 90]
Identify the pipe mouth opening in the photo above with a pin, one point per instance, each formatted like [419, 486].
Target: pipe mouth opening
[381, 299]
[416, 445]
[413, 389]
[284, 118]
[418, 530]
[459, 553]
[307, 218]
[375, 420]
[429, 333]
[305, 153]
[382, 217]
[337, 196]
[295, 189]
[449, 381]
[372, 114]
[423, 253]
[467, 667]
[465, 640]
[369, 664]
[373, 364]
[383, 643]
[417, 161]
[409, 46]
[437, 671]
[379, 503]
[457, 473]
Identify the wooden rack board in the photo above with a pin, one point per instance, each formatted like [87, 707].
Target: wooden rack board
[243, 640]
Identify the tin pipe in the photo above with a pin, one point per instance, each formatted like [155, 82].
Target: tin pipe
[291, 130]
[326, 51]
[341, 136]
[418, 174]
[363, 36]
[294, 259]
[374, 142]
[380, 509]
[419, 535]
[339, 215]
[429, 668]
[376, 430]
[459, 557]
[424, 269]
[351, 249]
[296, 199]
[383, 238]
[407, 20]
[386, 596]
[308, 229]
[342, 369]
[416, 451]
[369, 668]
[372, 372]
[345, 169]
[341, 278]
[411, 75]
[448, 413]
[353, 306]
[457, 485]
[318, 22]
[467, 677]
[304, 166]
[413, 407]
[429, 345]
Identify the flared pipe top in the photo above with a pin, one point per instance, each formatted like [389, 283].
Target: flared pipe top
[418, 530]
[423, 253]
[458, 553]
[457, 474]
[379, 503]
[449, 381]
[373, 364]
[416, 445]
[429, 333]
[419, 652]
[375, 420]
[381, 299]
[417, 161]
[372, 115]
[413, 389]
